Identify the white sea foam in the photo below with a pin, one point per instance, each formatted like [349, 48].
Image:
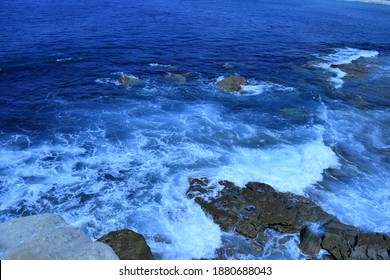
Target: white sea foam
[161, 65]
[258, 87]
[129, 186]
[115, 81]
[288, 168]
[125, 74]
[360, 191]
[340, 57]
[108, 81]
[69, 59]
[64, 59]
[282, 246]
[255, 88]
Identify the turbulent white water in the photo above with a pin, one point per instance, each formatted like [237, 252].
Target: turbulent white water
[342, 57]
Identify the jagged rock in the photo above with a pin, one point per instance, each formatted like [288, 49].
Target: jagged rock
[128, 245]
[249, 211]
[233, 84]
[129, 80]
[352, 244]
[256, 207]
[48, 237]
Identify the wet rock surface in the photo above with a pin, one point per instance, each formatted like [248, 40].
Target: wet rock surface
[249, 211]
[233, 84]
[128, 245]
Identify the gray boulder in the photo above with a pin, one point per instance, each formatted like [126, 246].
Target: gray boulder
[48, 237]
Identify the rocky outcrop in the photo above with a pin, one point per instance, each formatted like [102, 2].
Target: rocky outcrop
[249, 211]
[347, 242]
[48, 237]
[128, 245]
[232, 84]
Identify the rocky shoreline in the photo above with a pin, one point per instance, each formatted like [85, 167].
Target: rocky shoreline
[248, 212]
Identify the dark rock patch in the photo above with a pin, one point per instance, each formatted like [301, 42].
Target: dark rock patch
[128, 245]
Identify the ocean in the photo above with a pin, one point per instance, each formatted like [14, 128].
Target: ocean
[75, 141]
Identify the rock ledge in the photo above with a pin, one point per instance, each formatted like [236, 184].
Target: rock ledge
[251, 210]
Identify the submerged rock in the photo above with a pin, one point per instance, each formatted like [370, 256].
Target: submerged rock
[48, 237]
[352, 70]
[251, 210]
[181, 78]
[128, 245]
[228, 66]
[294, 113]
[233, 84]
[129, 80]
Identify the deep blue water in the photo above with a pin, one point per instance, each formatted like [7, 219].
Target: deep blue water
[105, 156]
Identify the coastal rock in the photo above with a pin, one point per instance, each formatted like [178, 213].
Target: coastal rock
[129, 80]
[48, 237]
[347, 242]
[249, 211]
[310, 241]
[256, 207]
[128, 245]
[232, 84]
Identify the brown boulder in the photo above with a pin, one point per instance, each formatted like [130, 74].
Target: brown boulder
[233, 84]
[128, 245]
